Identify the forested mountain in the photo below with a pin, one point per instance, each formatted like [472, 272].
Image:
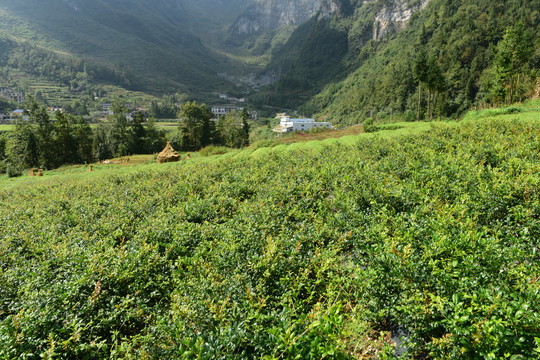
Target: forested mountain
[364, 59]
[158, 43]
[343, 59]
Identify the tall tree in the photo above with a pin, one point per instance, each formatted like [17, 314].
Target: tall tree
[196, 127]
[435, 83]
[44, 134]
[120, 135]
[65, 143]
[102, 144]
[421, 71]
[155, 139]
[22, 147]
[245, 127]
[138, 134]
[511, 55]
[233, 129]
[83, 137]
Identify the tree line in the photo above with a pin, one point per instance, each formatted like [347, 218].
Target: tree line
[506, 80]
[42, 142]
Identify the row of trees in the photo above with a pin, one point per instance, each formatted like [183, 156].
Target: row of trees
[505, 81]
[510, 72]
[122, 136]
[42, 142]
[429, 74]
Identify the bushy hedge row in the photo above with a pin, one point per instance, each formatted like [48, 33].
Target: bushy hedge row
[296, 254]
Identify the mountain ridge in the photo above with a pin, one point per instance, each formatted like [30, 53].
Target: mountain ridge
[345, 69]
[145, 35]
[314, 56]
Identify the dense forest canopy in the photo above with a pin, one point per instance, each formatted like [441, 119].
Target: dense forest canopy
[481, 53]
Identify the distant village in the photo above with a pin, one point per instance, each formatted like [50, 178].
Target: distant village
[15, 97]
[286, 124]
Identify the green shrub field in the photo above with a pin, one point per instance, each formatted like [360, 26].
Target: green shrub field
[326, 252]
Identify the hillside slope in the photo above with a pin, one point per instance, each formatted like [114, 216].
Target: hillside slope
[363, 57]
[307, 252]
[340, 59]
[326, 48]
[155, 41]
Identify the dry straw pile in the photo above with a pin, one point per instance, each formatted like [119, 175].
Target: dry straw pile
[168, 155]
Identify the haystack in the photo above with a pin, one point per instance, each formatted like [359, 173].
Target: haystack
[168, 155]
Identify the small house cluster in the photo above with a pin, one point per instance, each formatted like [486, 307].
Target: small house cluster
[107, 109]
[232, 99]
[223, 109]
[288, 124]
[11, 95]
[9, 118]
[220, 109]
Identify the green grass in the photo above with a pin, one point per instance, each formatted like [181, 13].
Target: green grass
[6, 127]
[169, 126]
[528, 111]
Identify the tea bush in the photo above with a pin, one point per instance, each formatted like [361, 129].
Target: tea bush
[304, 253]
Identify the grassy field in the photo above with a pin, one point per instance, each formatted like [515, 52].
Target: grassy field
[315, 142]
[168, 126]
[6, 127]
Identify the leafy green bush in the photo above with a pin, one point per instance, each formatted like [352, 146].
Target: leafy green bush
[214, 150]
[301, 252]
[3, 166]
[369, 127]
[13, 170]
[410, 116]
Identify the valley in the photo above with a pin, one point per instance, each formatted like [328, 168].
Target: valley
[310, 56]
[279, 179]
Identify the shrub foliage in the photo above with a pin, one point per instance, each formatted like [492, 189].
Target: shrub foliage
[305, 254]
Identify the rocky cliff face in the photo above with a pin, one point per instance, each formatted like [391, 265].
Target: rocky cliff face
[319, 50]
[394, 16]
[330, 7]
[272, 14]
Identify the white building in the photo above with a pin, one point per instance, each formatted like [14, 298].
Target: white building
[219, 110]
[287, 124]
